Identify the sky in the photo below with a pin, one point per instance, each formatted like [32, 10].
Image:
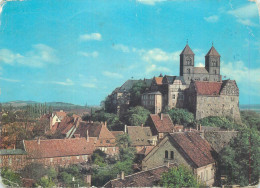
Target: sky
[79, 51]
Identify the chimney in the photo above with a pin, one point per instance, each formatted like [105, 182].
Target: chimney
[190, 130]
[197, 127]
[142, 125]
[39, 140]
[87, 136]
[105, 123]
[125, 128]
[61, 110]
[168, 164]
[14, 146]
[161, 116]
[122, 175]
[200, 128]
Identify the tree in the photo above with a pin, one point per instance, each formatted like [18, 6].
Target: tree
[135, 116]
[98, 158]
[181, 116]
[179, 177]
[216, 121]
[241, 160]
[10, 178]
[136, 92]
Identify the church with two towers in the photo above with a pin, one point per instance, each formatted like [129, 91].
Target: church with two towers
[201, 90]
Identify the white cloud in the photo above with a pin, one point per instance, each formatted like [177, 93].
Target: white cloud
[211, 19]
[39, 56]
[112, 74]
[150, 2]
[246, 22]
[122, 48]
[200, 65]
[9, 80]
[89, 54]
[67, 82]
[245, 13]
[92, 36]
[159, 55]
[239, 72]
[89, 85]
[153, 68]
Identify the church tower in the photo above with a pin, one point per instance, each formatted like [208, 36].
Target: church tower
[212, 65]
[187, 64]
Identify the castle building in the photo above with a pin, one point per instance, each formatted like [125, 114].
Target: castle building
[198, 89]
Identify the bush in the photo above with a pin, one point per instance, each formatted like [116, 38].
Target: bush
[10, 178]
[181, 116]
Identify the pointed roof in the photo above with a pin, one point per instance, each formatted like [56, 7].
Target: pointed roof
[187, 50]
[213, 52]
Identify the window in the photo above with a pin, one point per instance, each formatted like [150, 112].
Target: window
[188, 71]
[172, 155]
[173, 96]
[108, 141]
[166, 154]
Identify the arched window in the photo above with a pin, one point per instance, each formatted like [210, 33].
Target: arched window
[166, 154]
[215, 71]
[188, 70]
[172, 155]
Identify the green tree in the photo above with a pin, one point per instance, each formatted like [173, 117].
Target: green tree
[179, 177]
[136, 92]
[98, 158]
[113, 121]
[241, 160]
[45, 182]
[216, 121]
[181, 116]
[135, 116]
[10, 178]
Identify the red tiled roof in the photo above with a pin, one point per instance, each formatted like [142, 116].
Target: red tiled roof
[208, 88]
[60, 114]
[116, 133]
[147, 178]
[158, 80]
[162, 125]
[58, 147]
[195, 148]
[146, 150]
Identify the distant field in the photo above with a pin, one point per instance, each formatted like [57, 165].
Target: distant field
[253, 107]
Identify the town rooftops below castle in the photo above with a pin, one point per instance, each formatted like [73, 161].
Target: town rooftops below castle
[148, 178]
[162, 123]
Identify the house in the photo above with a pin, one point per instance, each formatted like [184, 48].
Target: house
[141, 137]
[14, 159]
[148, 178]
[120, 97]
[160, 125]
[67, 126]
[98, 132]
[57, 117]
[152, 101]
[186, 148]
[58, 152]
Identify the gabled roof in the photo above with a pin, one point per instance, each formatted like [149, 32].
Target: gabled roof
[60, 113]
[162, 123]
[195, 148]
[58, 147]
[208, 88]
[213, 52]
[187, 50]
[200, 70]
[145, 150]
[226, 84]
[117, 133]
[170, 79]
[95, 129]
[139, 135]
[148, 178]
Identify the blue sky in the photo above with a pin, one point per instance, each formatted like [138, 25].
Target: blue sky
[80, 51]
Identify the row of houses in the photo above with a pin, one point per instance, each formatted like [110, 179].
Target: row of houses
[158, 143]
